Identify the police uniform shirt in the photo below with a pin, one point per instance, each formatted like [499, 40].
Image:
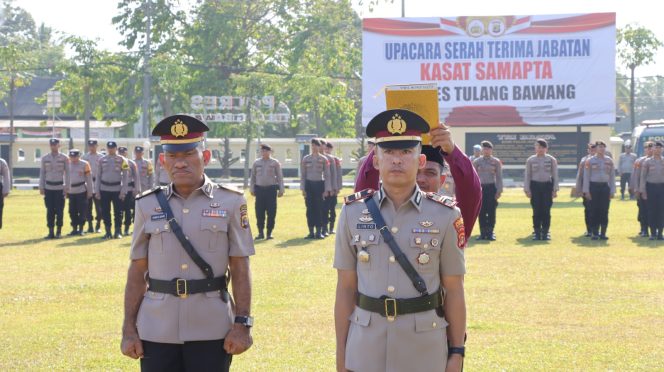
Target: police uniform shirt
[55, 170]
[266, 173]
[161, 175]
[80, 176]
[338, 173]
[541, 169]
[145, 173]
[4, 177]
[133, 180]
[626, 162]
[579, 174]
[315, 168]
[490, 170]
[412, 342]
[93, 159]
[652, 171]
[216, 222]
[635, 178]
[599, 170]
[113, 174]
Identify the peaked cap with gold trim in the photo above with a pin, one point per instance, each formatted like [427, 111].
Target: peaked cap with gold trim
[397, 128]
[180, 132]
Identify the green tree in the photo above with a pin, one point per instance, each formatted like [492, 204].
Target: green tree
[636, 47]
[92, 83]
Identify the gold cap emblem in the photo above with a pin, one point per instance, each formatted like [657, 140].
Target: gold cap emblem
[397, 125]
[179, 129]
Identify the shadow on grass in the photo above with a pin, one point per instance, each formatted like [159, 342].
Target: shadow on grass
[296, 242]
[645, 242]
[24, 242]
[510, 205]
[585, 241]
[528, 241]
[88, 240]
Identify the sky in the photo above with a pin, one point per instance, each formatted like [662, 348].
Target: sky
[92, 18]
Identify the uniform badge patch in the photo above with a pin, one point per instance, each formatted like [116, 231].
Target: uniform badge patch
[244, 218]
[365, 219]
[157, 217]
[215, 205]
[218, 213]
[426, 231]
[365, 226]
[157, 209]
[426, 223]
[461, 232]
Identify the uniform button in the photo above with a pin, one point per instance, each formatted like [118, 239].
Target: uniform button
[434, 325]
[165, 227]
[214, 226]
[364, 243]
[185, 210]
[395, 230]
[390, 289]
[184, 266]
[392, 259]
[156, 230]
[425, 246]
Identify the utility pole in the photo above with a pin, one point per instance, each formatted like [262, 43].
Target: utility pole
[145, 118]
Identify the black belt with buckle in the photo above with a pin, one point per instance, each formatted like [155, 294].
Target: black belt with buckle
[54, 183]
[391, 307]
[110, 183]
[183, 287]
[78, 184]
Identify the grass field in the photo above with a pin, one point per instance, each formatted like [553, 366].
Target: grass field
[567, 304]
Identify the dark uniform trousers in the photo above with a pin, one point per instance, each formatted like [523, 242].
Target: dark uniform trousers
[108, 197]
[587, 215]
[192, 356]
[78, 208]
[128, 210]
[97, 204]
[541, 199]
[643, 213]
[599, 206]
[488, 210]
[55, 207]
[329, 212]
[266, 203]
[655, 207]
[314, 203]
[2, 203]
[624, 181]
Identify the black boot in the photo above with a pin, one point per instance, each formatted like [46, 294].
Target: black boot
[311, 234]
[117, 234]
[90, 229]
[545, 234]
[537, 235]
[74, 231]
[602, 233]
[323, 231]
[319, 234]
[490, 235]
[81, 232]
[659, 235]
[482, 234]
[269, 235]
[98, 227]
[331, 230]
[126, 232]
[108, 233]
[260, 235]
[58, 232]
[50, 234]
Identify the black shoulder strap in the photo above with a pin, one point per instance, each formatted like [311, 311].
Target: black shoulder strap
[177, 230]
[401, 258]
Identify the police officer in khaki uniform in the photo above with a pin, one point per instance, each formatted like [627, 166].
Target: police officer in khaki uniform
[144, 168]
[266, 184]
[635, 184]
[386, 319]
[490, 171]
[53, 184]
[599, 186]
[651, 186]
[579, 188]
[160, 175]
[93, 157]
[541, 186]
[315, 183]
[133, 189]
[185, 320]
[5, 185]
[80, 191]
[336, 179]
[111, 187]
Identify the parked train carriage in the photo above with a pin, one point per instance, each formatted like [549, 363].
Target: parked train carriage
[28, 152]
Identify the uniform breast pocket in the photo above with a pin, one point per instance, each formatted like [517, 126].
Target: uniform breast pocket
[424, 252]
[270, 172]
[536, 167]
[366, 245]
[214, 230]
[156, 229]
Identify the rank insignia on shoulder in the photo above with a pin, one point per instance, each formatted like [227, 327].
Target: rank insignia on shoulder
[230, 188]
[442, 199]
[148, 192]
[360, 195]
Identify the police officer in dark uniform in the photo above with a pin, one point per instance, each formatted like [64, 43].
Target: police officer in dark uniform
[541, 186]
[635, 183]
[490, 171]
[92, 157]
[80, 190]
[111, 187]
[53, 184]
[579, 188]
[266, 184]
[652, 190]
[133, 189]
[599, 187]
[315, 185]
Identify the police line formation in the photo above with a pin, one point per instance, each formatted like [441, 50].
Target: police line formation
[399, 247]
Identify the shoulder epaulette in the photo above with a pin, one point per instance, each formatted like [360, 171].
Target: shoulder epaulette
[360, 195]
[151, 191]
[228, 187]
[442, 199]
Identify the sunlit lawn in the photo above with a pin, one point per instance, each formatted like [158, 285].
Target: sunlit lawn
[565, 304]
